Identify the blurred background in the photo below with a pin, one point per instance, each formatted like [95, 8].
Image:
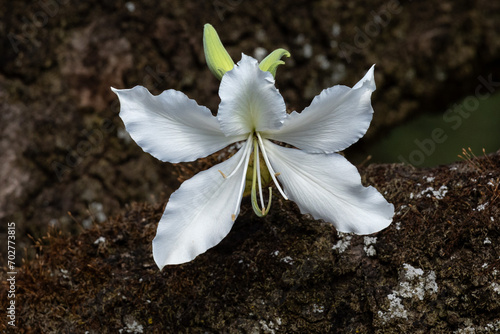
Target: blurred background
[66, 161]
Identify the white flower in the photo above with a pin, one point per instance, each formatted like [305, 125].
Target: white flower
[202, 211]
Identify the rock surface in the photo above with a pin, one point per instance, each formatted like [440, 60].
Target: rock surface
[62, 145]
[435, 269]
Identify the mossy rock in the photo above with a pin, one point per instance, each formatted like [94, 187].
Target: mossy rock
[435, 269]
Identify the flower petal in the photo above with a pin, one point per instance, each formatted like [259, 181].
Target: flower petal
[201, 212]
[249, 100]
[329, 188]
[170, 126]
[335, 120]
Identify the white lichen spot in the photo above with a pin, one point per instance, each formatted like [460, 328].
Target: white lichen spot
[287, 260]
[485, 265]
[429, 178]
[398, 226]
[100, 240]
[492, 219]
[396, 309]
[64, 272]
[481, 207]
[441, 192]
[414, 284]
[275, 253]
[269, 327]
[401, 208]
[342, 245]
[368, 248]
[471, 329]
[495, 287]
[318, 309]
[132, 327]
[487, 241]
[430, 192]
[412, 272]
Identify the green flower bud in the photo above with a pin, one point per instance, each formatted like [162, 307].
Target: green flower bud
[218, 60]
[273, 60]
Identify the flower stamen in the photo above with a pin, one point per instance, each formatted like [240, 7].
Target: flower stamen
[247, 149]
[270, 168]
[257, 167]
[245, 159]
[262, 211]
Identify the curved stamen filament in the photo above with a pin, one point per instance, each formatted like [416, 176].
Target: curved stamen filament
[256, 162]
[246, 159]
[247, 149]
[269, 167]
[260, 212]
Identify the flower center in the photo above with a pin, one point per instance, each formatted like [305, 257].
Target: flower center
[255, 143]
[262, 210]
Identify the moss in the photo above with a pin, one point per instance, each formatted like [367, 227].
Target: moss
[281, 273]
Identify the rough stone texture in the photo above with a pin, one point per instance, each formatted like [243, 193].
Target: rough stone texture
[62, 146]
[436, 269]
[63, 149]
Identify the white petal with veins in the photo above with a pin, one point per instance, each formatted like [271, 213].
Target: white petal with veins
[249, 100]
[329, 188]
[170, 126]
[335, 120]
[201, 212]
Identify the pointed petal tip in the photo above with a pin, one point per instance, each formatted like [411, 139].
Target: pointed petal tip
[198, 214]
[247, 59]
[338, 198]
[368, 80]
[383, 221]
